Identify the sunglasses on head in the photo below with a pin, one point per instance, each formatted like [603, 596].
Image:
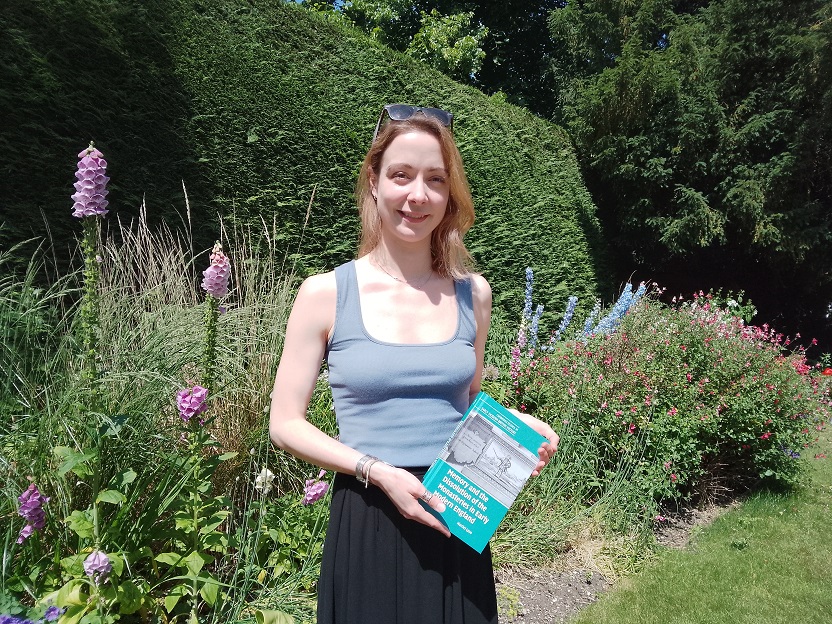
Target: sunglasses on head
[403, 112]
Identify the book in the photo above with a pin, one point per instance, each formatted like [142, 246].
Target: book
[481, 470]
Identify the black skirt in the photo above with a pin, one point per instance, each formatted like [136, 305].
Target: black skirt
[380, 568]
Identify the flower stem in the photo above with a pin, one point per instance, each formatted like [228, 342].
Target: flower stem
[209, 354]
[90, 300]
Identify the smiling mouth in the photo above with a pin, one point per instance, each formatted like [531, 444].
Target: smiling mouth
[413, 218]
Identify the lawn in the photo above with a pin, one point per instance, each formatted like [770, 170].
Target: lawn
[766, 561]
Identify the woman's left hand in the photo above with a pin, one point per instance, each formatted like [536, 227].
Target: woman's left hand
[548, 449]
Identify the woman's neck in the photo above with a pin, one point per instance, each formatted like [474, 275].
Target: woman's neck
[407, 265]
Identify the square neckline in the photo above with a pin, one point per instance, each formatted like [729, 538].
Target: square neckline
[386, 343]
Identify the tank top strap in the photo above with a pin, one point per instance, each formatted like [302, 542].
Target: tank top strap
[465, 305]
[348, 305]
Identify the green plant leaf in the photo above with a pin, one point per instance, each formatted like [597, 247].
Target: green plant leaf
[268, 616]
[127, 477]
[81, 524]
[173, 597]
[73, 461]
[129, 597]
[169, 558]
[209, 591]
[73, 593]
[111, 496]
[195, 560]
[227, 456]
[73, 613]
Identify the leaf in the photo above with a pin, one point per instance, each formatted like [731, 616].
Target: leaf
[209, 591]
[72, 593]
[174, 595]
[264, 616]
[169, 558]
[111, 496]
[73, 613]
[73, 565]
[127, 477]
[73, 461]
[227, 456]
[81, 524]
[195, 560]
[129, 597]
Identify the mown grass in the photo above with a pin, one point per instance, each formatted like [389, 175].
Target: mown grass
[768, 561]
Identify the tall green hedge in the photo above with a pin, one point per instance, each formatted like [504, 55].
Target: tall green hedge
[254, 105]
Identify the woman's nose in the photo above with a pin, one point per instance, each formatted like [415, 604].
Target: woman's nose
[418, 191]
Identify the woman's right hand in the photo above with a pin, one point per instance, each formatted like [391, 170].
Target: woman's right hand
[405, 490]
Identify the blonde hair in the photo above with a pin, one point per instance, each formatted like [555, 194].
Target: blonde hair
[450, 256]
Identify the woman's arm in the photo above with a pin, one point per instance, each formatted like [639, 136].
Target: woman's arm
[307, 331]
[481, 291]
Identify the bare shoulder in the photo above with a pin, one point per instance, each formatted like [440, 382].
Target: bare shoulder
[316, 301]
[481, 290]
[319, 287]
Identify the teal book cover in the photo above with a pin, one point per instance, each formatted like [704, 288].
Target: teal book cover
[481, 470]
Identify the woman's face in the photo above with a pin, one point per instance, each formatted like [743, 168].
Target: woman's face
[412, 188]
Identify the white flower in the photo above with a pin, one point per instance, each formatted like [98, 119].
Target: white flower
[733, 304]
[263, 481]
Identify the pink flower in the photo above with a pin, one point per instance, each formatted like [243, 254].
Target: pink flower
[31, 510]
[91, 187]
[660, 518]
[97, 566]
[315, 489]
[631, 429]
[672, 411]
[191, 402]
[673, 477]
[667, 465]
[215, 277]
[766, 435]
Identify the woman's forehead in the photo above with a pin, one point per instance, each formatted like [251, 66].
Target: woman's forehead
[415, 146]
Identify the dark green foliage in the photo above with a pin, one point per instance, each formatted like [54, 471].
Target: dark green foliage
[704, 137]
[258, 107]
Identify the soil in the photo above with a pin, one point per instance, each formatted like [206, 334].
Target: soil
[549, 596]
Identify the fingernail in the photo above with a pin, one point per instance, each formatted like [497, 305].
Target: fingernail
[441, 507]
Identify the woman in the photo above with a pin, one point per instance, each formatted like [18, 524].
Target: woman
[403, 331]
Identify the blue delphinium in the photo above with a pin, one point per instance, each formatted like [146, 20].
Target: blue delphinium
[567, 316]
[535, 326]
[589, 323]
[527, 307]
[610, 322]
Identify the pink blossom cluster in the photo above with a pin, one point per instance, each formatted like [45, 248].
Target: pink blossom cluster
[191, 402]
[91, 187]
[97, 566]
[315, 489]
[31, 509]
[215, 277]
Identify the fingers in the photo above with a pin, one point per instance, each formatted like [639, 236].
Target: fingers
[435, 503]
[546, 451]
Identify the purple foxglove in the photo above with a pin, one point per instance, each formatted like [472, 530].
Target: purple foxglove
[191, 402]
[91, 187]
[31, 510]
[97, 566]
[315, 489]
[216, 276]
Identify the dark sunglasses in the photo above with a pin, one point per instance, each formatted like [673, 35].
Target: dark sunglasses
[403, 112]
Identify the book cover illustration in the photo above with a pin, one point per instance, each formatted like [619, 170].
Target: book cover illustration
[482, 469]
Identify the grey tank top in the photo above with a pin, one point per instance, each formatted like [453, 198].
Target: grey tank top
[399, 402]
